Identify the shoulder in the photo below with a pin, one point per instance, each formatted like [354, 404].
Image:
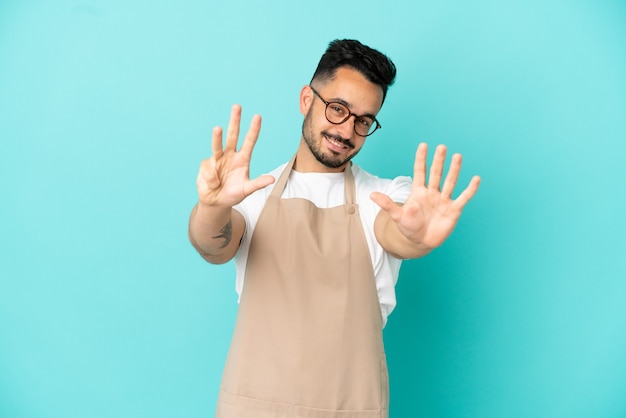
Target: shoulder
[397, 188]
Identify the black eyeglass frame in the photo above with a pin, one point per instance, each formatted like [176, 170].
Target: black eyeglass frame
[327, 103]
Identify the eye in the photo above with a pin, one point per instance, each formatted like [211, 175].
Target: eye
[337, 109]
[365, 122]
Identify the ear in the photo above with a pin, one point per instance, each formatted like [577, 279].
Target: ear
[306, 99]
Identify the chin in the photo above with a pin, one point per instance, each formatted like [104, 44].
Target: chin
[331, 160]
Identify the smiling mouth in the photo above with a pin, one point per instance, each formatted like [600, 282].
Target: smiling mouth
[337, 141]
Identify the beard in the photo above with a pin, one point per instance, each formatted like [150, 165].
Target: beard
[332, 159]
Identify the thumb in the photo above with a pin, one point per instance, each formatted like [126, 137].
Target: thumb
[259, 183]
[386, 204]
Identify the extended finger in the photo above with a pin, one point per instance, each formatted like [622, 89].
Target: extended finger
[232, 134]
[216, 143]
[452, 177]
[252, 135]
[386, 204]
[258, 183]
[468, 193]
[419, 167]
[436, 168]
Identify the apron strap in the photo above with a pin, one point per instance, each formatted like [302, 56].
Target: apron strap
[350, 188]
[279, 187]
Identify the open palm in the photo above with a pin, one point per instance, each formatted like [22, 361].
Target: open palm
[223, 179]
[429, 214]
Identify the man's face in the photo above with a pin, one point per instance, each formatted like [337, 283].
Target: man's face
[334, 145]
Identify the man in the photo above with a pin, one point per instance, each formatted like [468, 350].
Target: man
[318, 244]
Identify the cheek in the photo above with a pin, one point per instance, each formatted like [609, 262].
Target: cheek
[314, 123]
[358, 142]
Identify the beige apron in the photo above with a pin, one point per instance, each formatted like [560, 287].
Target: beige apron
[308, 338]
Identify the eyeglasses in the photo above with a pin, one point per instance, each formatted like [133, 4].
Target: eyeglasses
[337, 113]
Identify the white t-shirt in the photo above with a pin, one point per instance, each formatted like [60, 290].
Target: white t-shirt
[326, 190]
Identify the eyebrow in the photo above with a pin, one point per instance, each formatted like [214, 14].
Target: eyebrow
[349, 106]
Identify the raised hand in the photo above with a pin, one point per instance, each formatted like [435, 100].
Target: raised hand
[223, 179]
[429, 215]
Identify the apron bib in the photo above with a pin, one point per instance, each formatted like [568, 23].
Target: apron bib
[308, 337]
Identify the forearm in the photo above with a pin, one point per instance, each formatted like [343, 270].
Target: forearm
[215, 232]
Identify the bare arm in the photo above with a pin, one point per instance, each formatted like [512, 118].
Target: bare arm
[429, 215]
[215, 228]
[215, 233]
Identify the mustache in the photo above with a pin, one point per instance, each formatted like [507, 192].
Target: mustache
[337, 138]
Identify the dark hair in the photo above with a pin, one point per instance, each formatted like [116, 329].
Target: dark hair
[374, 65]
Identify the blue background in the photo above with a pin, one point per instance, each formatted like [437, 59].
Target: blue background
[106, 110]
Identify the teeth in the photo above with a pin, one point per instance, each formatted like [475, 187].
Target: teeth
[336, 142]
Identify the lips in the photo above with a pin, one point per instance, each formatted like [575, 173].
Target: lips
[337, 144]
